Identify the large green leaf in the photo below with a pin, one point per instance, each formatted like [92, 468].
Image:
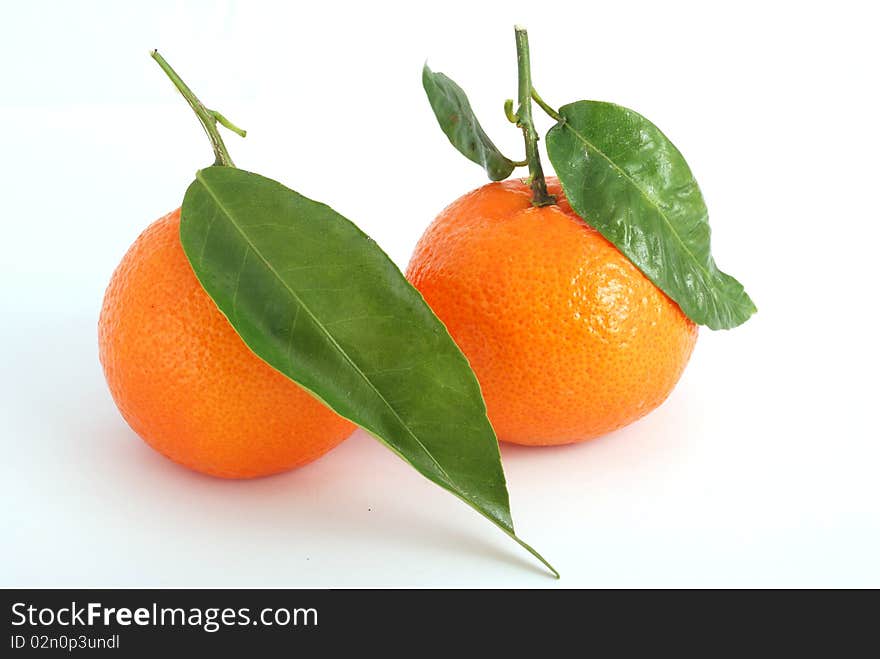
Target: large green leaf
[317, 299]
[457, 119]
[626, 179]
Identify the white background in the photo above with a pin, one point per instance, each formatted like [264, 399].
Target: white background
[760, 470]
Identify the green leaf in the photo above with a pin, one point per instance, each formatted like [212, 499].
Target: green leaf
[626, 179]
[317, 299]
[453, 112]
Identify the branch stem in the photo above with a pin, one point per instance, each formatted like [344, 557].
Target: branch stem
[540, 196]
[208, 118]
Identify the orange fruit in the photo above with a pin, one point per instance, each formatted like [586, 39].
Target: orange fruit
[568, 339]
[186, 382]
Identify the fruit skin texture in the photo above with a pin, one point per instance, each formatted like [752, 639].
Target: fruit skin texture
[186, 382]
[568, 339]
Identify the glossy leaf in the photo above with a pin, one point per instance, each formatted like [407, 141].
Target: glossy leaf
[317, 299]
[626, 179]
[457, 119]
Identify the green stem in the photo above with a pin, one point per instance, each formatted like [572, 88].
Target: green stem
[508, 111]
[223, 121]
[540, 196]
[208, 118]
[544, 106]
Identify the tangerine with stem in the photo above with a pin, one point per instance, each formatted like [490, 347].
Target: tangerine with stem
[179, 373]
[569, 340]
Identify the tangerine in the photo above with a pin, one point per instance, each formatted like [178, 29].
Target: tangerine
[568, 339]
[186, 382]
